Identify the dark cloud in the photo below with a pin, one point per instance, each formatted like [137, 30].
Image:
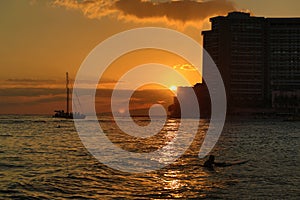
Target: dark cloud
[29, 81]
[30, 92]
[191, 12]
[30, 101]
[182, 11]
[19, 100]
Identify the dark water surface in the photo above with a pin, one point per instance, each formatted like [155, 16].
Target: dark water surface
[40, 161]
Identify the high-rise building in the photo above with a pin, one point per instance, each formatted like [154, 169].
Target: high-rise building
[258, 58]
[283, 62]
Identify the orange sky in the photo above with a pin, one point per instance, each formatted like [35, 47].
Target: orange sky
[41, 40]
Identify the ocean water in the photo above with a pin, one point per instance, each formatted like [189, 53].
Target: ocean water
[44, 158]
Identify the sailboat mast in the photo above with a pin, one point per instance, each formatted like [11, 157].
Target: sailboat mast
[68, 91]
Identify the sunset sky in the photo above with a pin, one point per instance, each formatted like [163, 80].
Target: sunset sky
[42, 39]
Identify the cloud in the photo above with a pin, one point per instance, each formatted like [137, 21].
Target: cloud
[103, 83]
[30, 81]
[30, 92]
[90, 8]
[186, 67]
[45, 100]
[48, 83]
[183, 12]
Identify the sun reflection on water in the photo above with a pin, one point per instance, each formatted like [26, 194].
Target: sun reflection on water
[181, 183]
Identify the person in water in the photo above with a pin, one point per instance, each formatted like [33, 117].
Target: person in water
[210, 162]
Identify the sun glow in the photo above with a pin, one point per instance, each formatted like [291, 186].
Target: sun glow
[173, 88]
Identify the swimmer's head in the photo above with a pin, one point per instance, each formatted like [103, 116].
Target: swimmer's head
[211, 157]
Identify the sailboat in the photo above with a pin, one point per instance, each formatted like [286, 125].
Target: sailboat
[68, 114]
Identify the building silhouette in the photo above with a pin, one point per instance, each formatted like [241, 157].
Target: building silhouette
[283, 62]
[183, 93]
[259, 60]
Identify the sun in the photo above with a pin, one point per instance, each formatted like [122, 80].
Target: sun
[173, 88]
